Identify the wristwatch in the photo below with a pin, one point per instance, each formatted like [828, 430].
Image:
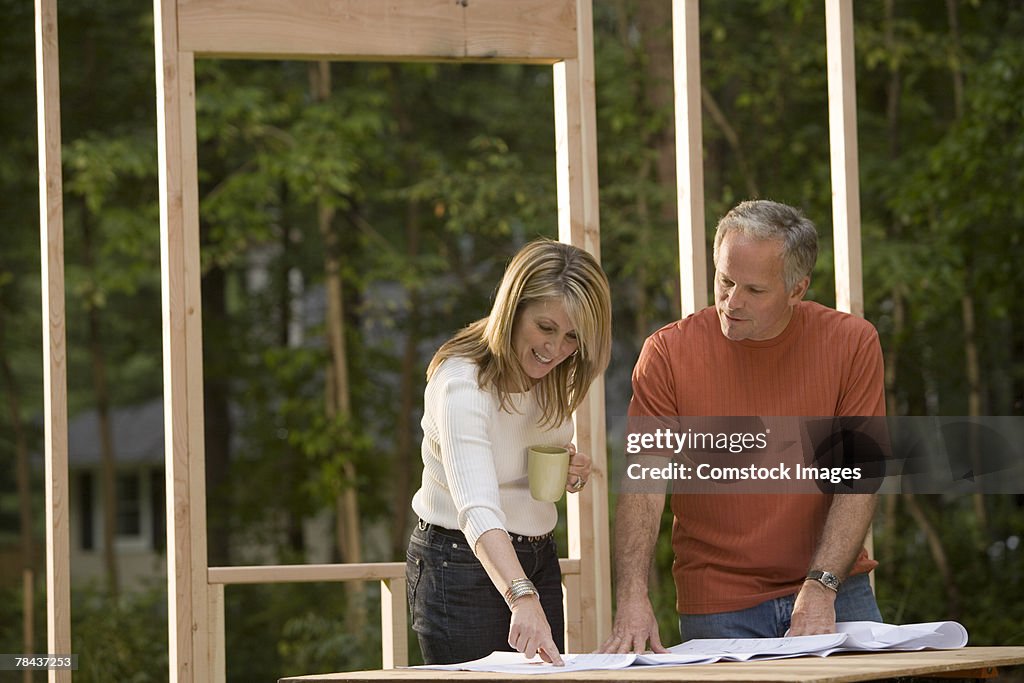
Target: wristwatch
[826, 579]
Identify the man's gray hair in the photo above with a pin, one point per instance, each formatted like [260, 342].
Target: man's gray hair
[763, 219]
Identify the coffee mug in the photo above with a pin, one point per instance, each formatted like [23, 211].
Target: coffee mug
[547, 469]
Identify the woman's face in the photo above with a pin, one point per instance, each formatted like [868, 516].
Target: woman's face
[543, 336]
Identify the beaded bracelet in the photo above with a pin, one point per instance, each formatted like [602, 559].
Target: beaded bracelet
[519, 588]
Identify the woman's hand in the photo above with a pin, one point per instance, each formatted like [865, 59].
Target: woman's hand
[530, 633]
[579, 470]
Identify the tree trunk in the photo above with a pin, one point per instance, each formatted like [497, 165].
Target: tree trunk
[642, 326]
[938, 553]
[338, 399]
[108, 476]
[654, 21]
[967, 306]
[217, 416]
[894, 93]
[733, 140]
[406, 459]
[974, 392]
[289, 335]
[23, 474]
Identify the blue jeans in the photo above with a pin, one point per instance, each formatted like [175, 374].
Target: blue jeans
[457, 613]
[770, 619]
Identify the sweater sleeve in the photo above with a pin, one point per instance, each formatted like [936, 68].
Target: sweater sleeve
[463, 416]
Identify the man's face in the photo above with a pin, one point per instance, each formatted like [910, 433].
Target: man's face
[750, 294]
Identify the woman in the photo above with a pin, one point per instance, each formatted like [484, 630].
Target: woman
[482, 566]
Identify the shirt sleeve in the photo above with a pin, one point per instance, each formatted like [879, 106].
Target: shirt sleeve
[654, 392]
[463, 413]
[863, 392]
[654, 405]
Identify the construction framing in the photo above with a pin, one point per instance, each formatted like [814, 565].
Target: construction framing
[554, 32]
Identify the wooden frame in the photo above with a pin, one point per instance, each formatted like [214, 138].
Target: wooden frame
[556, 32]
[55, 414]
[842, 117]
[842, 126]
[693, 282]
[842, 111]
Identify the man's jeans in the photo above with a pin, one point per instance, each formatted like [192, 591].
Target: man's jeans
[457, 613]
[770, 619]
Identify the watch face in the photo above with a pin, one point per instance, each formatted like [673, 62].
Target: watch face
[827, 579]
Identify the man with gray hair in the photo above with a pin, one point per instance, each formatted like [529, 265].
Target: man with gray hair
[753, 564]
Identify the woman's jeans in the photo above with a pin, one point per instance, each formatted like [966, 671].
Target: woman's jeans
[457, 613]
[770, 619]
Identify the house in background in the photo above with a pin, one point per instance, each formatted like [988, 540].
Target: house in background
[140, 538]
[141, 532]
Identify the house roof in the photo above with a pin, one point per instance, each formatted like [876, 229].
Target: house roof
[138, 434]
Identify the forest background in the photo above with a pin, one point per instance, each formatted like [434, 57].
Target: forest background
[383, 200]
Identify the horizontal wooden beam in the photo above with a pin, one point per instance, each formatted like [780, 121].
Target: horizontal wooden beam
[304, 573]
[526, 31]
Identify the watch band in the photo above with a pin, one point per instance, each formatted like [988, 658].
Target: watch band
[826, 579]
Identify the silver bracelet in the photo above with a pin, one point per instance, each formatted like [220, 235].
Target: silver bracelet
[519, 588]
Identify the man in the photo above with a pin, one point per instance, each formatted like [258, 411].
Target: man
[760, 564]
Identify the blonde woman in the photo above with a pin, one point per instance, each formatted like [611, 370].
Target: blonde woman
[482, 566]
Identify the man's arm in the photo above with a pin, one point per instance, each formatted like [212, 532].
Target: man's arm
[846, 527]
[849, 516]
[638, 513]
[637, 522]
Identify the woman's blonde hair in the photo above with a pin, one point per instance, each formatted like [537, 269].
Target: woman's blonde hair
[542, 270]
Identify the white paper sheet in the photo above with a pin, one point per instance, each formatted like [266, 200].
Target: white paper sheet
[517, 663]
[850, 636]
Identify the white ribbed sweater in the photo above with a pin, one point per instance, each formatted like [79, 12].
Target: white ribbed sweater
[474, 457]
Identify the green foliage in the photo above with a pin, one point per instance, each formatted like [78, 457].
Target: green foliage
[988, 572]
[120, 639]
[296, 629]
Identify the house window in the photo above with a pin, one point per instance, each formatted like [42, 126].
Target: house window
[85, 511]
[158, 514]
[129, 505]
[139, 514]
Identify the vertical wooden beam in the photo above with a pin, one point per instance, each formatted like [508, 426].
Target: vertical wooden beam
[51, 243]
[842, 129]
[217, 652]
[693, 276]
[579, 224]
[188, 597]
[842, 124]
[28, 592]
[394, 623]
[196, 492]
[571, 610]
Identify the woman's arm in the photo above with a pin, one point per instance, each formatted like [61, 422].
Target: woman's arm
[530, 632]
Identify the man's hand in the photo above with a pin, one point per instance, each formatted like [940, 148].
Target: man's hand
[814, 611]
[634, 626]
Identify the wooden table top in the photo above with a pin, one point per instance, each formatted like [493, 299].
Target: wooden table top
[838, 668]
